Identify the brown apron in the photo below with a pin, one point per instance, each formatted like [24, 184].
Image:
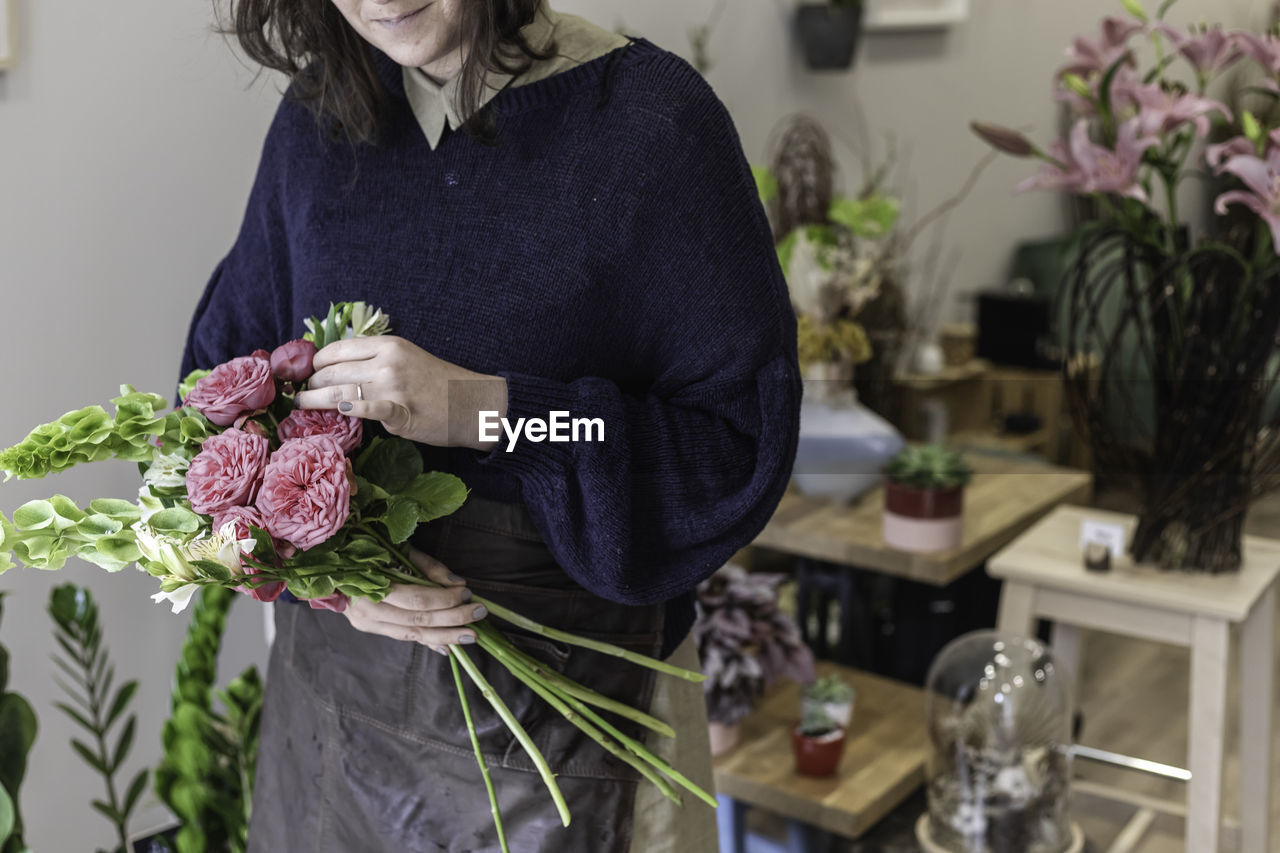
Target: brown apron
[363, 744]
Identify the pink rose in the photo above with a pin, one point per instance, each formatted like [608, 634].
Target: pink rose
[345, 429]
[336, 602]
[226, 471]
[240, 386]
[306, 490]
[292, 361]
[244, 516]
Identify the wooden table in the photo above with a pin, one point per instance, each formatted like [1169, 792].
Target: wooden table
[1045, 578]
[883, 763]
[1004, 499]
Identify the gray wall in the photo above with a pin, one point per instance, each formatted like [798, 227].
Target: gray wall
[128, 138]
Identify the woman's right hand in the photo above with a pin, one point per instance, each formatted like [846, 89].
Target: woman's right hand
[435, 617]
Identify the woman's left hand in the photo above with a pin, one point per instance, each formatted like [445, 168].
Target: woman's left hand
[413, 393]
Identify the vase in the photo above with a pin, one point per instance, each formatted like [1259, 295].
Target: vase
[829, 34]
[922, 520]
[817, 756]
[1170, 374]
[724, 737]
[843, 445]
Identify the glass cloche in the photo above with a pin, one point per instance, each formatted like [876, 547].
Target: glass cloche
[999, 713]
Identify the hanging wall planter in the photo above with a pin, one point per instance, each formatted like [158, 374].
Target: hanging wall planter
[829, 33]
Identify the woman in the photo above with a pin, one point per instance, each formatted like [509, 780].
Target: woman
[557, 220]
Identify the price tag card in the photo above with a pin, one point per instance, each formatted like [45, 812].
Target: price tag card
[1103, 533]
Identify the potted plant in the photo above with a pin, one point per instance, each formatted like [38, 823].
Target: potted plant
[818, 742]
[833, 696]
[829, 32]
[924, 498]
[745, 643]
[17, 734]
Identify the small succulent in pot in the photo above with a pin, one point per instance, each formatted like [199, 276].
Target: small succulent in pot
[745, 641]
[831, 696]
[924, 498]
[818, 742]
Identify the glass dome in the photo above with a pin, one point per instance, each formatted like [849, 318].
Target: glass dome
[999, 713]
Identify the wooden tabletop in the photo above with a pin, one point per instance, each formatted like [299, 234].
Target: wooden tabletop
[1004, 499]
[883, 762]
[1048, 555]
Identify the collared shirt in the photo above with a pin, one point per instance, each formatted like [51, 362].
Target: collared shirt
[576, 41]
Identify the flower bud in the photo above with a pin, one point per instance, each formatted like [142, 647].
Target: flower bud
[1004, 139]
[292, 361]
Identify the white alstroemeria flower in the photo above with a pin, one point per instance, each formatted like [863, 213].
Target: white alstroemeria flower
[165, 551]
[222, 547]
[167, 470]
[179, 597]
[367, 322]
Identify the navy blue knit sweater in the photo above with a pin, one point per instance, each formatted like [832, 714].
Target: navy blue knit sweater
[608, 256]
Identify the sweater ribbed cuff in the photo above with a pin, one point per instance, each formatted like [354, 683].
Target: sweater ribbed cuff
[533, 397]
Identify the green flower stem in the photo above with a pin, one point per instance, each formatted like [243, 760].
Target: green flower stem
[475, 744]
[595, 645]
[532, 626]
[530, 678]
[640, 750]
[513, 724]
[568, 686]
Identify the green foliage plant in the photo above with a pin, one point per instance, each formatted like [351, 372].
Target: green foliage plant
[17, 734]
[829, 688]
[88, 665]
[929, 466]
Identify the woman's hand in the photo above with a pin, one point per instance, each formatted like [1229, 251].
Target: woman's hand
[421, 614]
[414, 394]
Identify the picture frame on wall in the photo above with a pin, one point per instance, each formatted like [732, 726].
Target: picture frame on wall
[8, 36]
[914, 14]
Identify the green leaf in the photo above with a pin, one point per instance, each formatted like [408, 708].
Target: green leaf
[34, 515]
[175, 519]
[89, 757]
[124, 744]
[136, 787]
[189, 382]
[8, 816]
[118, 705]
[871, 218]
[437, 495]
[392, 465]
[69, 604]
[766, 183]
[1133, 7]
[401, 518]
[122, 511]
[213, 569]
[107, 812]
[17, 732]
[75, 715]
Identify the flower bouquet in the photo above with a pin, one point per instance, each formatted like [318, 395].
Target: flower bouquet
[241, 489]
[1168, 334]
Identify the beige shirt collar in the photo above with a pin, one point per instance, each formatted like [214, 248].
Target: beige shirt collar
[577, 41]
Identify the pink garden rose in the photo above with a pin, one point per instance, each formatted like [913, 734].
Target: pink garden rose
[306, 490]
[244, 516]
[292, 361]
[302, 422]
[242, 386]
[226, 471]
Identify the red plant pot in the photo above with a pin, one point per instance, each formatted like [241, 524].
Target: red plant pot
[817, 756]
[922, 520]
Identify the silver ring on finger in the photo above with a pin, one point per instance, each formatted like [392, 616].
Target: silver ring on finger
[360, 392]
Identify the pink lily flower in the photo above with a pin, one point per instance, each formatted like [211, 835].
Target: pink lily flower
[1264, 50]
[1124, 78]
[1261, 178]
[1216, 155]
[1086, 57]
[1159, 111]
[1085, 167]
[1208, 52]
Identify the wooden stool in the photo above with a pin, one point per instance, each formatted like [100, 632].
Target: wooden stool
[1045, 577]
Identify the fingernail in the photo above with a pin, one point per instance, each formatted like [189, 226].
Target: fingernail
[480, 612]
[454, 578]
[466, 595]
[467, 639]
[345, 407]
[439, 650]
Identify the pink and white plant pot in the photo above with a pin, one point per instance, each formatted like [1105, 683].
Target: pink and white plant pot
[922, 521]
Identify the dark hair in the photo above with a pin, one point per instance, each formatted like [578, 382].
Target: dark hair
[331, 65]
